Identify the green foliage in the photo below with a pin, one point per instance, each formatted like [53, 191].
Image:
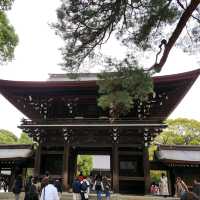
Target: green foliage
[85, 164]
[155, 175]
[119, 89]
[138, 25]
[8, 39]
[180, 131]
[85, 25]
[6, 137]
[152, 149]
[6, 4]
[24, 139]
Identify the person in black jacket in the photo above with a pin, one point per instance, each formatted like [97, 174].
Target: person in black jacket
[31, 192]
[17, 186]
[76, 189]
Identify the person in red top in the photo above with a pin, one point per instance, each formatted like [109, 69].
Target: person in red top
[81, 177]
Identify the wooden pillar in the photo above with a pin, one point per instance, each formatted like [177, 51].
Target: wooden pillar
[169, 181]
[146, 166]
[72, 165]
[66, 166]
[115, 168]
[37, 161]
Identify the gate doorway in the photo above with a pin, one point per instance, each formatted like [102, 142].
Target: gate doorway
[100, 157]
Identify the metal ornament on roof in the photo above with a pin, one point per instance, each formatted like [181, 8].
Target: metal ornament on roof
[143, 108]
[146, 137]
[115, 135]
[37, 104]
[67, 134]
[34, 133]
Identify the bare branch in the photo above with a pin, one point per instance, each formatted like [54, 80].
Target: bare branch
[183, 7]
[180, 26]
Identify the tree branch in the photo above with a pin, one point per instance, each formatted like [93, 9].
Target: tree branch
[175, 35]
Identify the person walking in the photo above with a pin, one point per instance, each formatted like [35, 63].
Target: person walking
[107, 187]
[49, 192]
[31, 192]
[76, 189]
[163, 185]
[181, 189]
[58, 186]
[17, 186]
[84, 189]
[98, 187]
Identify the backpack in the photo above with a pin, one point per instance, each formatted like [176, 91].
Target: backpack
[98, 186]
[84, 186]
[76, 186]
[107, 186]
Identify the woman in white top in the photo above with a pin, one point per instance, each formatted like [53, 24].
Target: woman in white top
[49, 192]
[163, 185]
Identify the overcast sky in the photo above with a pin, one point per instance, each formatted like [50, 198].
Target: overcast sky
[37, 55]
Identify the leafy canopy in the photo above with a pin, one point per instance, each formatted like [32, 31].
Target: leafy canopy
[87, 24]
[119, 89]
[85, 164]
[8, 37]
[24, 139]
[180, 131]
[6, 4]
[7, 137]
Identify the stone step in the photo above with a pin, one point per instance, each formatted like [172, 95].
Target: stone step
[68, 196]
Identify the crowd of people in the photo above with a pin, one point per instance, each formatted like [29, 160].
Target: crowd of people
[83, 185]
[46, 189]
[181, 189]
[49, 189]
[4, 182]
[161, 188]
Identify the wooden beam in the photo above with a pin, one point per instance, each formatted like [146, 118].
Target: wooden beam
[128, 178]
[72, 165]
[66, 166]
[88, 125]
[37, 161]
[146, 166]
[130, 153]
[115, 168]
[55, 152]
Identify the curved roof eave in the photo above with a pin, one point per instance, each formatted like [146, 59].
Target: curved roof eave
[92, 83]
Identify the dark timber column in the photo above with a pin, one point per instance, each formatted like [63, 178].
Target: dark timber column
[66, 159]
[146, 166]
[72, 164]
[37, 160]
[66, 166]
[115, 161]
[169, 182]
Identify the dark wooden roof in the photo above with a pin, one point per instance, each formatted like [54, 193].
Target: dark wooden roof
[30, 97]
[178, 154]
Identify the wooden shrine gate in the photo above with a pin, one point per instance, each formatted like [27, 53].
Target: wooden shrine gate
[126, 144]
[65, 117]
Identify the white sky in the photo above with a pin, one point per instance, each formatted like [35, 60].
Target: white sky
[37, 55]
[101, 162]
